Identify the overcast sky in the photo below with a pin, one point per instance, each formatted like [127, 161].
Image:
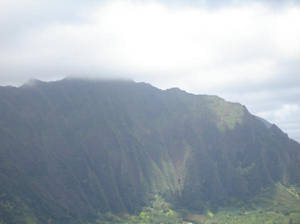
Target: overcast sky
[244, 51]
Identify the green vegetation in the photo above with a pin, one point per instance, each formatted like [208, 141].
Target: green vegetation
[248, 217]
[157, 212]
[276, 205]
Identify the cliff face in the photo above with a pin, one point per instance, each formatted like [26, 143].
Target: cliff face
[72, 148]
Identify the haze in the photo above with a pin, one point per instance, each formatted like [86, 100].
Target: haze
[243, 51]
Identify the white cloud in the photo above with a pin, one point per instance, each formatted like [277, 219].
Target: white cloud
[229, 44]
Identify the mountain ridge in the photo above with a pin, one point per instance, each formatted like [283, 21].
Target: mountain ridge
[78, 147]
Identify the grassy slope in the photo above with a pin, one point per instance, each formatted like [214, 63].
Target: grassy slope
[277, 204]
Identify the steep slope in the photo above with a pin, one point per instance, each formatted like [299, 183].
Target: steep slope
[73, 148]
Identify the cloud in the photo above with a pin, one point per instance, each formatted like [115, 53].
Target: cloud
[23, 17]
[245, 51]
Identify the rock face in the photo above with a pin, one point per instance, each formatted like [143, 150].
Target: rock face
[73, 148]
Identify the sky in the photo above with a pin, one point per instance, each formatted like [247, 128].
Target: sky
[241, 50]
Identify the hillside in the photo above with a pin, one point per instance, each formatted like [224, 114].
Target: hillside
[73, 149]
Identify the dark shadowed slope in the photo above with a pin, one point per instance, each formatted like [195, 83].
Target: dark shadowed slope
[73, 148]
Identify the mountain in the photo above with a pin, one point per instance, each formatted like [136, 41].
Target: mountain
[74, 148]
